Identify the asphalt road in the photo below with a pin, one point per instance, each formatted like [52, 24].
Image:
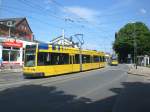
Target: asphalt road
[90, 91]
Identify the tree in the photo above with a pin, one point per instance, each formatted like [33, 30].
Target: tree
[124, 40]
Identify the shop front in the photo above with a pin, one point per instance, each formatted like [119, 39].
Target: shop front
[11, 52]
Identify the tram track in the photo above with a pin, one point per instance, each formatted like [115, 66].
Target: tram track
[51, 80]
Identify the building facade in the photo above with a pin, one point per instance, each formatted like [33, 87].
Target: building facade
[16, 27]
[15, 34]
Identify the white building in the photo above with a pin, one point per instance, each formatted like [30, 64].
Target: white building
[63, 41]
[143, 60]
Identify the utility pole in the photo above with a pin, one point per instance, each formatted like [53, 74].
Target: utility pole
[9, 32]
[0, 8]
[63, 37]
[81, 41]
[80, 57]
[10, 24]
[135, 47]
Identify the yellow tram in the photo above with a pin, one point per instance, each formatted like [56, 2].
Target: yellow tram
[48, 60]
[114, 60]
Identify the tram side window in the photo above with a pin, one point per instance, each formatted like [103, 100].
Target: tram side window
[77, 59]
[100, 59]
[44, 59]
[86, 59]
[96, 59]
[59, 58]
[91, 59]
[104, 58]
[64, 59]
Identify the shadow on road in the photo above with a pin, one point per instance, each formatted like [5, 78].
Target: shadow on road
[37, 98]
[135, 97]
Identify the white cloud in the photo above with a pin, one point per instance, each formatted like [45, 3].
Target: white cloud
[82, 12]
[143, 11]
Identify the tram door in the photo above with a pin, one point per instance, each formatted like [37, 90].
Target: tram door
[71, 62]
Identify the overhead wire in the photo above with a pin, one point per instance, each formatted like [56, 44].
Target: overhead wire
[51, 14]
[15, 11]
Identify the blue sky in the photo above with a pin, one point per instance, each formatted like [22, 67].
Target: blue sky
[98, 20]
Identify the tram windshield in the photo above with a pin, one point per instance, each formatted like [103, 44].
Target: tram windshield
[30, 55]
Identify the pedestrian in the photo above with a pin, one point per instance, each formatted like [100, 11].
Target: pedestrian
[142, 63]
[1, 63]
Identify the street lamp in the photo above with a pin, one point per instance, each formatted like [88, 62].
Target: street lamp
[81, 42]
[10, 24]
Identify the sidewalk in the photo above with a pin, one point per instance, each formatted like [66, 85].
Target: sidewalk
[10, 70]
[135, 96]
[144, 71]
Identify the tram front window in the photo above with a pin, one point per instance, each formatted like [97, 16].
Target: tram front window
[30, 56]
[29, 60]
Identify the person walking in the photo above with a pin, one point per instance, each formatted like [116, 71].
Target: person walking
[1, 64]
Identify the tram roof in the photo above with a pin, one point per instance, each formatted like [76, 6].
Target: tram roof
[46, 46]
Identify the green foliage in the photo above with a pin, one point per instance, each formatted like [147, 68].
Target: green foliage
[124, 42]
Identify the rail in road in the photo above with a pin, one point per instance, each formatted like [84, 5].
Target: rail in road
[52, 80]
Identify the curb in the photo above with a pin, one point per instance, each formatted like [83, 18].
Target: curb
[145, 75]
[10, 71]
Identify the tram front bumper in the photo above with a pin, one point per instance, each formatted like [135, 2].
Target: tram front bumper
[30, 75]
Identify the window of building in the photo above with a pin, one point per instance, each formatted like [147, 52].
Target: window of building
[5, 55]
[25, 28]
[14, 55]
[10, 54]
[6, 47]
[15, 48]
